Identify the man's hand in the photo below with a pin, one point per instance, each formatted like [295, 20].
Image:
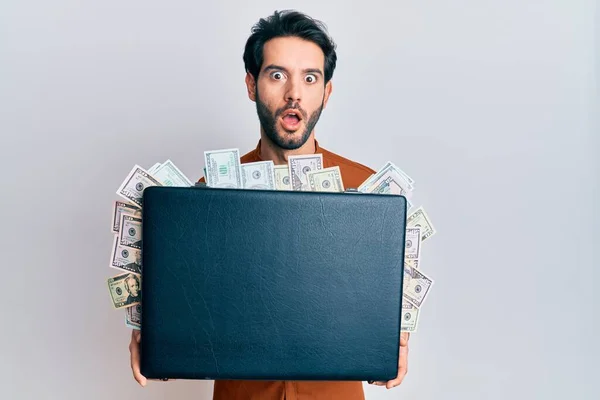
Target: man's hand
[134, 350]
[402, 364]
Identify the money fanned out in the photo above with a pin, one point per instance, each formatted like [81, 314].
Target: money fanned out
[125, 289]
[413, 244]
[224, 169]
[325, 180]
[282, 177]
[416, 286]
[133, 186]
[153, 168]
[258, 175]
[126, 258]
[169, 175]
[420, 219]
[410, 316]
[413, 262]
[126, 227]
[133, 317]
[389, 180]
[131, 231]
[300, 166]
[119, 208]
[400, 182]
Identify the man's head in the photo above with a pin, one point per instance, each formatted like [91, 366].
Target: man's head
[289, 60]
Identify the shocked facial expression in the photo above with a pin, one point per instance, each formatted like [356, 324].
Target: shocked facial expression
[290, 92]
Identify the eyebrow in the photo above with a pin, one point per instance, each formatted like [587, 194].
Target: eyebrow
[306, 70]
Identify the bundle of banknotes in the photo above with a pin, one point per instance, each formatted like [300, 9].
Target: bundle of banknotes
[223, 169]
[126, 254]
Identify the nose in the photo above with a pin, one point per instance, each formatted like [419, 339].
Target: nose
[293, 92]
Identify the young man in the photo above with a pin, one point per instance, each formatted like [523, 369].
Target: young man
[289, 61]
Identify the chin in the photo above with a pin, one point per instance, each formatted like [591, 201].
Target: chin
[291, 140]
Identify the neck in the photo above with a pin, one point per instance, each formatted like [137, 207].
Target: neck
[279, 156]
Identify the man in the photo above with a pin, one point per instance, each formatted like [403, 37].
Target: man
[289, 61]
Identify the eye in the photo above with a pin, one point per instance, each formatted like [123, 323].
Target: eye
[277, 75]
[310, 78]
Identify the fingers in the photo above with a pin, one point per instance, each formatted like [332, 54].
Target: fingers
[137, 334]
[402, 364]
[393, 383]
[134, 349]
[404, 338]
[377, 383]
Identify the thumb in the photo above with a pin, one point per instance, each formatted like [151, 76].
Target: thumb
[404, 339]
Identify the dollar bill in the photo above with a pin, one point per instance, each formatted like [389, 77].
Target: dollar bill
[133, 317]
[391, 186]
[125, 258]
[131, 231]
[258, 175]
[282, 177]
[325, 180]
[153, 168]
[419, 218]
[390, 166]
[387, 181]
[413, 243]
[403, 174]
[125, 290]
[300, 165]
[416, 286]
[413, 263]
[223, 168]
[133, 186]
[120, 207]
[169, 175]
[410, 317]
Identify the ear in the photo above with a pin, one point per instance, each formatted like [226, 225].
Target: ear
[328, 89]
[251, 86]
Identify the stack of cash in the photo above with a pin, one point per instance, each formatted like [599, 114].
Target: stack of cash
[416, 284]
[126, 254]
[306, 173]
[223, 169]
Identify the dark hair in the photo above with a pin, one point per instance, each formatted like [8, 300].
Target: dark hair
[285, 24]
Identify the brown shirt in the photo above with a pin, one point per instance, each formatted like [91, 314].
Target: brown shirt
[353, 174]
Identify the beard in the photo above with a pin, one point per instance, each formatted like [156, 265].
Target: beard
[286, 140]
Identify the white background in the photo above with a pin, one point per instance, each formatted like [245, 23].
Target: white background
[491, 106]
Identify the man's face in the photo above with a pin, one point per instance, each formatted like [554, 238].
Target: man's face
[290, 92]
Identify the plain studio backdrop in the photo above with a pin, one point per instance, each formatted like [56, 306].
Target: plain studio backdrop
[491, 106]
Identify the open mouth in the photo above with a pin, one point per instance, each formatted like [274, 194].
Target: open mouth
[291, 119]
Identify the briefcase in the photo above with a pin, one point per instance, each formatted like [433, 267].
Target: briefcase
[271, 285]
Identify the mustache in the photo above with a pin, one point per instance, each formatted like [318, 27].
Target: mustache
[290, 106]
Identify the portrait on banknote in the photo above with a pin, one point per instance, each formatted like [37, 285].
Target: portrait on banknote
[132, 286]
